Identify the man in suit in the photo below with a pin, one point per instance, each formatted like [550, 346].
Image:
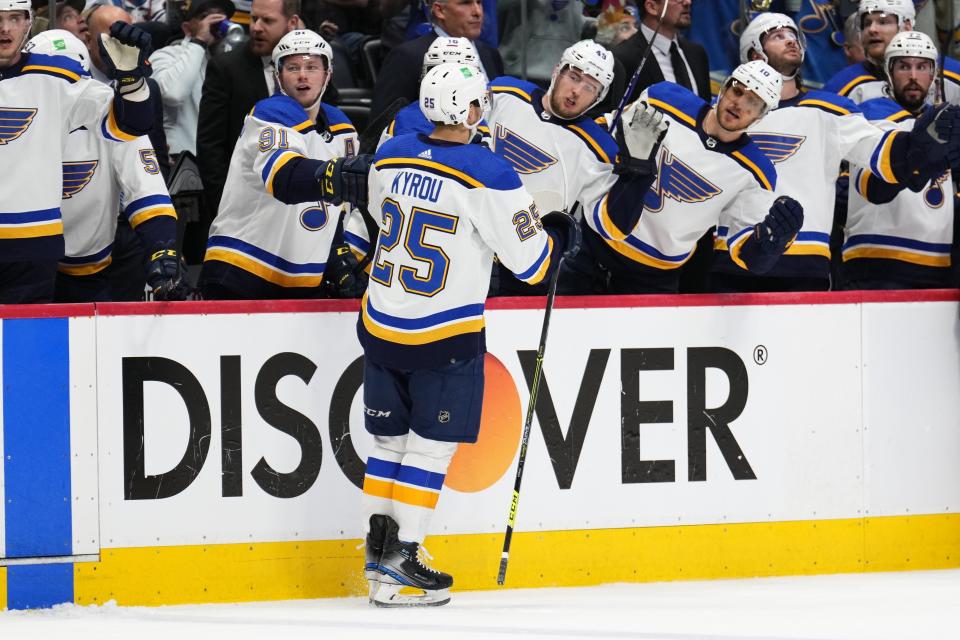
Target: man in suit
[400, 75]
[674, 58]
[234, 82]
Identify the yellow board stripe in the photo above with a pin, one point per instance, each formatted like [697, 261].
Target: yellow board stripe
[850, 86]
[66, 73]
[433, 165]
[513, 90]
[593, 143]
[896, 254]
[149, 213]
[261, 270]
[421, 337]
[334, 568]
[826, 105]
[753, 169]
[3, 587]
[35, 231]
[676, 112]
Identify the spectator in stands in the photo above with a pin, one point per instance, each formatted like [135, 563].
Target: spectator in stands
[179, 69]
[551, 26]
[67, 17]
[346, 25]
[234, 83]
[400, 75]
[616, 24]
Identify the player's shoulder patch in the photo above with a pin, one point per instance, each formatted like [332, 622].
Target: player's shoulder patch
[678, 102]
[57, 66]
[600, 143]
[829, 102]
[848, 79]
[471, 165]
[513, 86]
[951, 70]
[884, 109]
[337, 121]
[752, 158]
[282, 110]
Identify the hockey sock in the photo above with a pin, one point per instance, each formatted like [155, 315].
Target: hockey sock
[383, 466]
[418, 484]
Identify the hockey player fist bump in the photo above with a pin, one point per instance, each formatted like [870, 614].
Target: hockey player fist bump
[345, 180]
[564, 230]
[780, 226]
[125, 52]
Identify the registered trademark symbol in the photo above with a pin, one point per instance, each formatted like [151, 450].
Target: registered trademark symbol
[760, 354]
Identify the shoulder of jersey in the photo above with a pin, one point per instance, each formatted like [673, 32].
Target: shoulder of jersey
[884, 109]
[471, 165]
[337, 121]
[752, 158]
[829, 102]
[848, 78]
[513, 86]
[282, 110]
[951, 70]
[678, 102]
[597, 139]
[410, 117]
[57, 66]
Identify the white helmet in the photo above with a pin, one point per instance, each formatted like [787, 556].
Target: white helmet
[17, 5]
[58, 42]
[448, 90]
[590, 58]
[457, 50]
[903, 9]
[764, 23]
[760, 78]
[301, 42]
[909, 44]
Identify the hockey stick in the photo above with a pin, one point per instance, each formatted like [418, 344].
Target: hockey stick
[615, 120]
[531, 404]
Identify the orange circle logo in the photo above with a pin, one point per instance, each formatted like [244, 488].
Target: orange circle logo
[477, 466]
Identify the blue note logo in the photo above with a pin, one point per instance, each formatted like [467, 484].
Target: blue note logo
[525, 156]
[777, 146]
[934, 195]
[14, 122]
[76, 175]
[678, 182]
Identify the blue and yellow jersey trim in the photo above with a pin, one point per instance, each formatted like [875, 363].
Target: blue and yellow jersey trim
[430, 166]
[57, 66]
[884, 109]
[402, 483]
[854, 83]
[23, 225]
[598, 141]
[263, 264]
[676, 101]
[733, 244]
[284, 111]
[646, 254]
[424, 330]
[876, 246]
[110, 130]
[337, 121]
[751, 158]
[951, 70]
[513, 86]
[604, 223]
[536, 272]
[359, 246]
[274, 163]
[831, 103]
[86, 265]
[881, 162]
[148, 208]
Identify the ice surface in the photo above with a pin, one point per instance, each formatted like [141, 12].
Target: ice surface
[906, 606]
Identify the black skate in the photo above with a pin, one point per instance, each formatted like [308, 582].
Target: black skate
[401, 566]
[374, 549]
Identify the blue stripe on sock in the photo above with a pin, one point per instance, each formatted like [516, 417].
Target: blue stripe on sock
[382, 468]
[421, 478]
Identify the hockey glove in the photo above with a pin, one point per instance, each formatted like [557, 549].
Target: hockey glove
[639, 138]
[935, 137]
[780, 226]
[565, 230]
[340, 277]
[167, 274]
[345, 180]
[124, 52]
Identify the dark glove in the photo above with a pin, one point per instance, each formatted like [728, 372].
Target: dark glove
[345, 180]
[125, 53]
[342, 277]
[780, 226]
[935, 137]
[167, 273]
[565, 231]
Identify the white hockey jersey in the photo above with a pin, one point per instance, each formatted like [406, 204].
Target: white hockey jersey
[446, 209]
[100, 179]
[259, 244]
[41, 99]
[700, 179]
[807, 138]
[861, 82]
[907, 240]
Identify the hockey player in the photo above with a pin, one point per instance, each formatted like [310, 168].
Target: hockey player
[100, 177]
[272, 234]
[880, 20]
[42, 99]
[707, 166]
[447, 206]
[564, 158]
[807, 136]
[899, 236]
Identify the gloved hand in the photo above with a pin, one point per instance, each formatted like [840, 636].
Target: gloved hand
[166, 273]
[935, 137]
[643, 129]
[342, 277]
[125, 53]
[780, 225]
[564, 229]
[345, 180]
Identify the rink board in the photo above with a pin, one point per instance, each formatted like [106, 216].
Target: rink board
[214, 451]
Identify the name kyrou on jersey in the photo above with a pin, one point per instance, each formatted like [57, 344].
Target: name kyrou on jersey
[563, 445]
[416, 185]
